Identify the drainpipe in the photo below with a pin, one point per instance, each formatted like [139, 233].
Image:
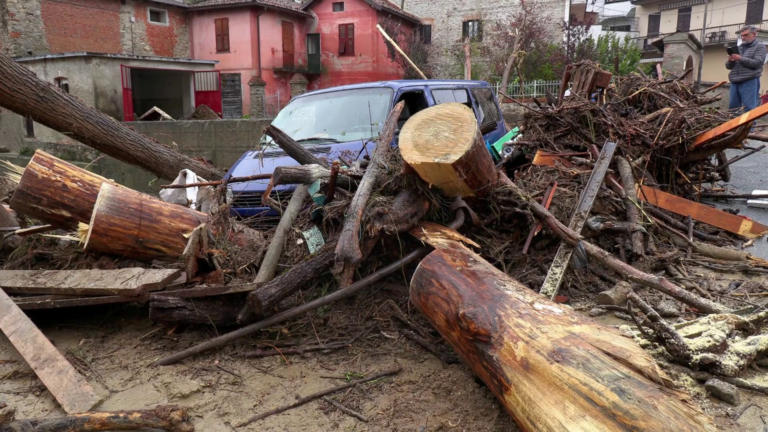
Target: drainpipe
[701, 40]
[258, 41]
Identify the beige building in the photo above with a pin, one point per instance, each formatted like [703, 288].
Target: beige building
[713, 23]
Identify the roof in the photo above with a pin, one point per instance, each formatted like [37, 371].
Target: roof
[177, 3]
[284, 5]
[117, 56]
[381, 6]
[397, 84]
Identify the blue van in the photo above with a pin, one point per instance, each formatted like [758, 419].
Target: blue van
[342, 123]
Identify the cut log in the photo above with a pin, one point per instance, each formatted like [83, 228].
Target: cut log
[56, 192]
[167, 418]
[219, 310]
[125, 281]
[446, 149]
[69, 388]
[131, 224]
[22, 92]
[551, 368]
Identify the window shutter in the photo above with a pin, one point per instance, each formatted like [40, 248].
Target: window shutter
[222, 34]
[351, 38]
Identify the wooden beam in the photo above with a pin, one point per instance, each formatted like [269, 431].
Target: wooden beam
[65, 383]
[126, 281]
[563, 256]
[728, 126]
[736, 224]
[39, 302]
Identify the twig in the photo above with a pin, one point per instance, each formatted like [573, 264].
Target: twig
[318, 395]
[218, 182]
[345, 410]
[297, 350]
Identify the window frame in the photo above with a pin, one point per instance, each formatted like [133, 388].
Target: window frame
[219, 36]
[339, 4]
[163, 13]
[684, 17]
[472, 29]
[346, 49]
[425, 34]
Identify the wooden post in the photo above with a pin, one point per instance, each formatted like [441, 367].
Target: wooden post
[56, 192]
[27, 95]
[129, 223]
[551, 368]
[445, 147]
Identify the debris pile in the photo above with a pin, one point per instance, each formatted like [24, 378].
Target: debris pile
[597, 207]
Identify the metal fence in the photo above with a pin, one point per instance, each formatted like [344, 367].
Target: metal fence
[530, 89]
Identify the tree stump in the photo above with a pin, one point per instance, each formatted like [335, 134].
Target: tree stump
[551, 368]
[446, 149]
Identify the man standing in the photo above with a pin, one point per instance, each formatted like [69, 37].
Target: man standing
[746, 68]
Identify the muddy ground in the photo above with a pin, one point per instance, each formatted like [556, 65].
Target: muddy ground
[113, 346]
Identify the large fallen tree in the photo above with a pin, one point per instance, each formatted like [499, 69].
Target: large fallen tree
[25, 94]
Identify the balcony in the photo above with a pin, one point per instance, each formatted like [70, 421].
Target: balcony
[286, 63]
[717, 35]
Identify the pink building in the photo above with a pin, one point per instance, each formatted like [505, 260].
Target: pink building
[268, 50]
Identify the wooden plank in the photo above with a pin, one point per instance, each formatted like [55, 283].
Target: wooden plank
[69, 388]
[736, 224]
[40, 302]
[728, 126]
[563, 256]
[126, 281]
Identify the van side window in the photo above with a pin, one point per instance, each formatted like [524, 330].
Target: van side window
[489, 113]
[415, 101]
[451, 95]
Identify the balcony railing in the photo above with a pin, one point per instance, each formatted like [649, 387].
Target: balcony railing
[716, 35]
[297, 62]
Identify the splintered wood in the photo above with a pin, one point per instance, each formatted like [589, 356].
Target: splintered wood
[126, 281]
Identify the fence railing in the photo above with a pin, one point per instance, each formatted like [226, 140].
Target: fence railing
[530, 89]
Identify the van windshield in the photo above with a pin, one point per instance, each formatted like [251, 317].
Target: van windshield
[340, 116]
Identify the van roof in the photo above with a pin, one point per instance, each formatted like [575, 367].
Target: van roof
[397, 84]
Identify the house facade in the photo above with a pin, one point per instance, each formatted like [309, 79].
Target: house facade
[272, 50]
[713, 24]
[603, 16]
[446, 24]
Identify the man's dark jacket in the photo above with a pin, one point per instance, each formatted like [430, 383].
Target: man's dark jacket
[751, 64]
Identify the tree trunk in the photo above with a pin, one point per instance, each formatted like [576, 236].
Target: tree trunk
[551, 368]
[444, 146]
[22, 92]
[129, 223]
[56, 192]
[294, 150]
[218, 310]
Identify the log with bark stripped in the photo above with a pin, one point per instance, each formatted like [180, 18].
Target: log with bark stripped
[551, 368]
[446, 149]
[132, 224]
[56, 192]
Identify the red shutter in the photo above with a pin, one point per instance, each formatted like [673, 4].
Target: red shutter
[208, 90]
[342, 39]
[351, 39]
[346, 39]
[222, 34]
[125, 75]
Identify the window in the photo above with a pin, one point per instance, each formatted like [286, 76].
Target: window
[222, 34]
[684, 19]
[157, 16]
[62, 83]
[338, 6]
[425, 33]
[472, 29]
[754, 11]
[29, 127]
[346, 39]
[654, 24]
[451, 95]
[620, 28]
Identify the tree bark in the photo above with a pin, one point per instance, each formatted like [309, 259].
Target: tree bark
[348, 252]
[168, 418]
[56, 192]
[219, 310]
[129, 223]
[444, 146]
[22, 92]
[630, 202]
[551, 368]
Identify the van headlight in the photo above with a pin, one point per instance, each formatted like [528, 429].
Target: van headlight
[229, 196]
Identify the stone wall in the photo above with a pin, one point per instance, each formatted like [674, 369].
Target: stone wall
[36, 27]
[447, 16]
